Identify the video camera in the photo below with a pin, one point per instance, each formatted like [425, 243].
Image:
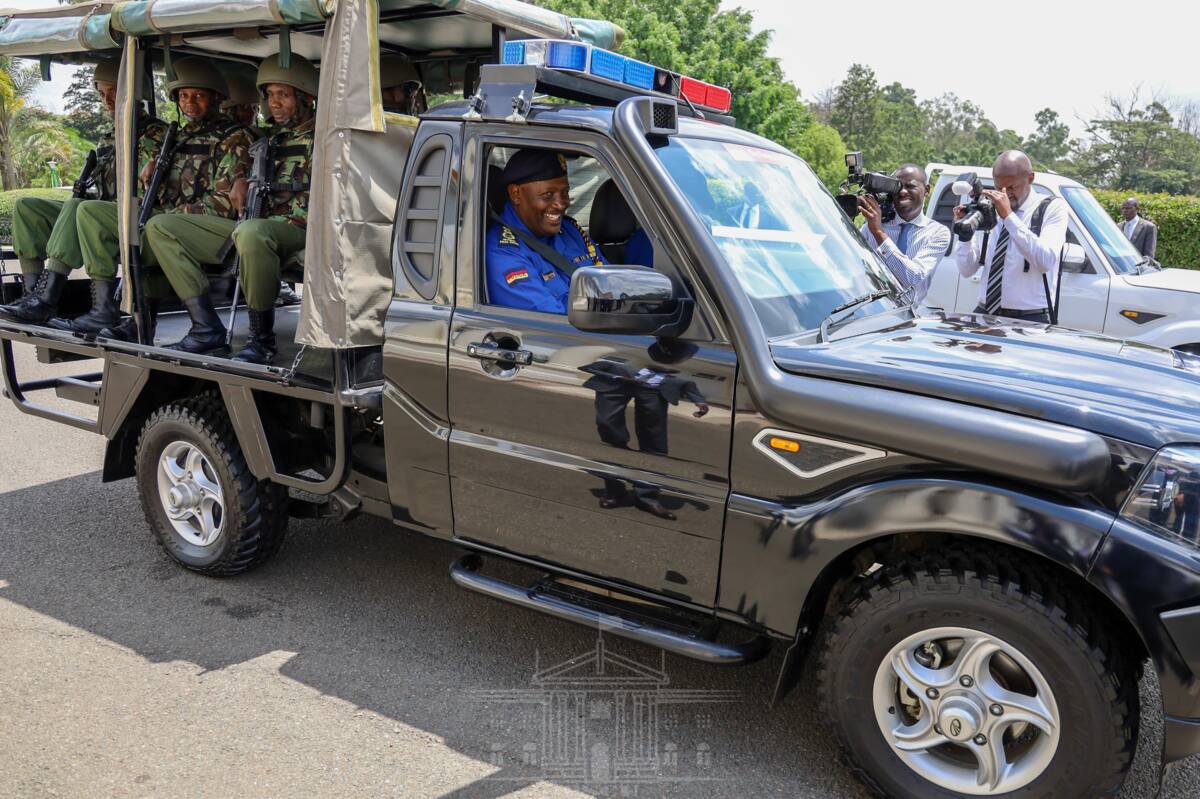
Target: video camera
[980, 212]
[883, 188]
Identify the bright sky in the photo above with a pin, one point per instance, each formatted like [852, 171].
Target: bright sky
[1062, 54]
[1071, 53]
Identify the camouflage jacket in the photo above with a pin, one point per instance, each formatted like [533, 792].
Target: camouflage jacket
[210, 155]
[150, 131]
[290, 154]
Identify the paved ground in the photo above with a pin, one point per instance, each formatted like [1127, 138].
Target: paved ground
[349, 666]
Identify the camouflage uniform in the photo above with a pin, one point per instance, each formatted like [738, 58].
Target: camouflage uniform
[209, 155]
[265, 243]
[46, 229]
[196, 215]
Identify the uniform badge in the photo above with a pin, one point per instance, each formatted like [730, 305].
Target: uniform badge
[515, 275]
[562, 162]
[507, 237]
[548, 276]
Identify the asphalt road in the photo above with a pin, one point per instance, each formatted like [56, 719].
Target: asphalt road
[350, 666]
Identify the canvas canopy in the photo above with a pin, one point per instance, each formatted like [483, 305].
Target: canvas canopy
[55, 31]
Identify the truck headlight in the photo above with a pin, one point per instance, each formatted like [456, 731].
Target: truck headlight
[1167, 498]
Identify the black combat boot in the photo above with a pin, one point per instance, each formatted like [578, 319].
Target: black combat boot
[43, 305]
[29, 282]
[260, 346]
[207, 336]
[287, 296]
[127, 329]
[104, 312]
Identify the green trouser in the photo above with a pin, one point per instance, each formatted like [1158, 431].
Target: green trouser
[43, 229]
[182, 242]
[264, 244]
[96, 221]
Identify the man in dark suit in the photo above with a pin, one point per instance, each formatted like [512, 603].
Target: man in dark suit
[1140, 231]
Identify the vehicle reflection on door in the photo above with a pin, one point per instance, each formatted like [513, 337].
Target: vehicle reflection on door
[651, 389]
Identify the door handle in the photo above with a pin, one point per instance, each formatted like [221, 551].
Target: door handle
[486, 351]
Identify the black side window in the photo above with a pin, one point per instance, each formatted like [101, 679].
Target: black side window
[418, 227]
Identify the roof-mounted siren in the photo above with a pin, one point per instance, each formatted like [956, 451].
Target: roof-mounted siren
[605, 66]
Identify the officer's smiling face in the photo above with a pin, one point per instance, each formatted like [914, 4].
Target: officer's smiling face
[108, 95]
[541, 204]
[195, 103]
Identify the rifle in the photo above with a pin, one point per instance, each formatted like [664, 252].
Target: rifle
[87, 177]
[254, 207]
[162, 165]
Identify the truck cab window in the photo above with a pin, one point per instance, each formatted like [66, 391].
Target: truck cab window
[549, 213]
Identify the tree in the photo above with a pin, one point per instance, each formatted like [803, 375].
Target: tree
[1050, 143]
[856, 108]
[85, 111]
[17, 83]
[697, 38]
[824, 150]
[1139, 148]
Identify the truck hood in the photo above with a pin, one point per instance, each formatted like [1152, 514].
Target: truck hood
[1131, 391]
[1173, 279]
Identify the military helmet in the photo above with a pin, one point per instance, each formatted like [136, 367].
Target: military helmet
[196, 73]
[107, 72]
[301, 75]
[395, 70]
[241, 90]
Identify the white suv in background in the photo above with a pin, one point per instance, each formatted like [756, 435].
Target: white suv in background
[1107, 287]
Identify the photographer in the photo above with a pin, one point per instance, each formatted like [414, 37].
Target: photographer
[910, 243]
[1022, 265]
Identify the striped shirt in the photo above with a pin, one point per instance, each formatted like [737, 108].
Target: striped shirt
[927, 243]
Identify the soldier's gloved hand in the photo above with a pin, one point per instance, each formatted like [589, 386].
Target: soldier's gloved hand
[237, 195]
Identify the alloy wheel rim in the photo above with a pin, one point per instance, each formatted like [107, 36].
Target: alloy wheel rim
[967, 711]
[191, 494]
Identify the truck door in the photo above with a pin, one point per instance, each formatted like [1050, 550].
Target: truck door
[607, 454]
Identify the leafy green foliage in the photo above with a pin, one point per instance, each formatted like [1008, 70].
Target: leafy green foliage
[85, 111]
[1140, 149]
[7, 198]
[697, 38]
[1177, 217]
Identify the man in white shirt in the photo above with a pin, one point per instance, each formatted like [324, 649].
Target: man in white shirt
[1139, 230]
[910, 243]
[1020, 266]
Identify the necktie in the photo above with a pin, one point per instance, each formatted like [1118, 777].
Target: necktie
[905, 232]
[991, 300]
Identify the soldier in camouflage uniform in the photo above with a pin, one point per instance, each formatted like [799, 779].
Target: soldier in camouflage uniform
[242, 103]
[401, 87]
[45, 235]
[194, 213]
[265, 242]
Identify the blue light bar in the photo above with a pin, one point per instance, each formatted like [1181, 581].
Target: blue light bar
[514, 53]
[608, 65]
[565, 55]
[605, 65]
[639, 74]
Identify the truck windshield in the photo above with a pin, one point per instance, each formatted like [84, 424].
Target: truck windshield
[792, 249]
[1104, 230]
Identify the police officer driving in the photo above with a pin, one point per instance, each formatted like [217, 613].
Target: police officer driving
[534, 247]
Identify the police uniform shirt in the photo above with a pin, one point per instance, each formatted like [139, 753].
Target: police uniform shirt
[518, 277]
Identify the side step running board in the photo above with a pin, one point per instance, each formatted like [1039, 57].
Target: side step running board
[626, 619]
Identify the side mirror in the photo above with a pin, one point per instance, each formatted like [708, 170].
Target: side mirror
[632, 300]
[1074, 260]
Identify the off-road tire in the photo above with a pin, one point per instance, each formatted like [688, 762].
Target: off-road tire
[991, 590]
[255, 510]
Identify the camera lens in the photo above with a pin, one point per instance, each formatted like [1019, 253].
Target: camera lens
[965, 228]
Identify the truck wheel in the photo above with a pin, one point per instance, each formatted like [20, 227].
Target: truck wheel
[205, 508]
[974, 675]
